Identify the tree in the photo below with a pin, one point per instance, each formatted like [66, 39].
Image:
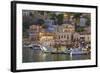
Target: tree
[60, 19]
[79, 29]
[88, 18]
[40, 22]
[76, 17]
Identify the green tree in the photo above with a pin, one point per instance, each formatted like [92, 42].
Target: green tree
[76, 17]
[88, 18]
[79, 29]
[40, 22]
[60, 19]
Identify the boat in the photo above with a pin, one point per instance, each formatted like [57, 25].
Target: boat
[60, 52]
[76, 51]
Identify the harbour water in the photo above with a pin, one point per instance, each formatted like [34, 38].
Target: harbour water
[31, 55]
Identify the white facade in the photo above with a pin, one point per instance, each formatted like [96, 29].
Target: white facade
[64, 36]
[86, 37]
[65, 28]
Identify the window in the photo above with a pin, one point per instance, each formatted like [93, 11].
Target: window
[67, 36]
[64, 36]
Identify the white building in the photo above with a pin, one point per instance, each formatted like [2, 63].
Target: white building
[64, 38]
[65, 28]
[86, 37]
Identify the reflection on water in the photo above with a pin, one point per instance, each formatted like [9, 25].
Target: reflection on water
[30, 55]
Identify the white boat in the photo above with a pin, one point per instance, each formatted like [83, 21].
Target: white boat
[76, 51]
[36, 47]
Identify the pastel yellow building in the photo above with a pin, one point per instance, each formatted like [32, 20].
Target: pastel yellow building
[34, 32]
[68, 28]
[46, 38]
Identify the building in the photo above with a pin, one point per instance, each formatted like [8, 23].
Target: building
[82, 22]
[64, 38]
[86, 37]
[76, 36]
[46, 38]
[65, 28]
[64, 34]
[34, 32]
[87, 29]
[68, 28]
[65, 19]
